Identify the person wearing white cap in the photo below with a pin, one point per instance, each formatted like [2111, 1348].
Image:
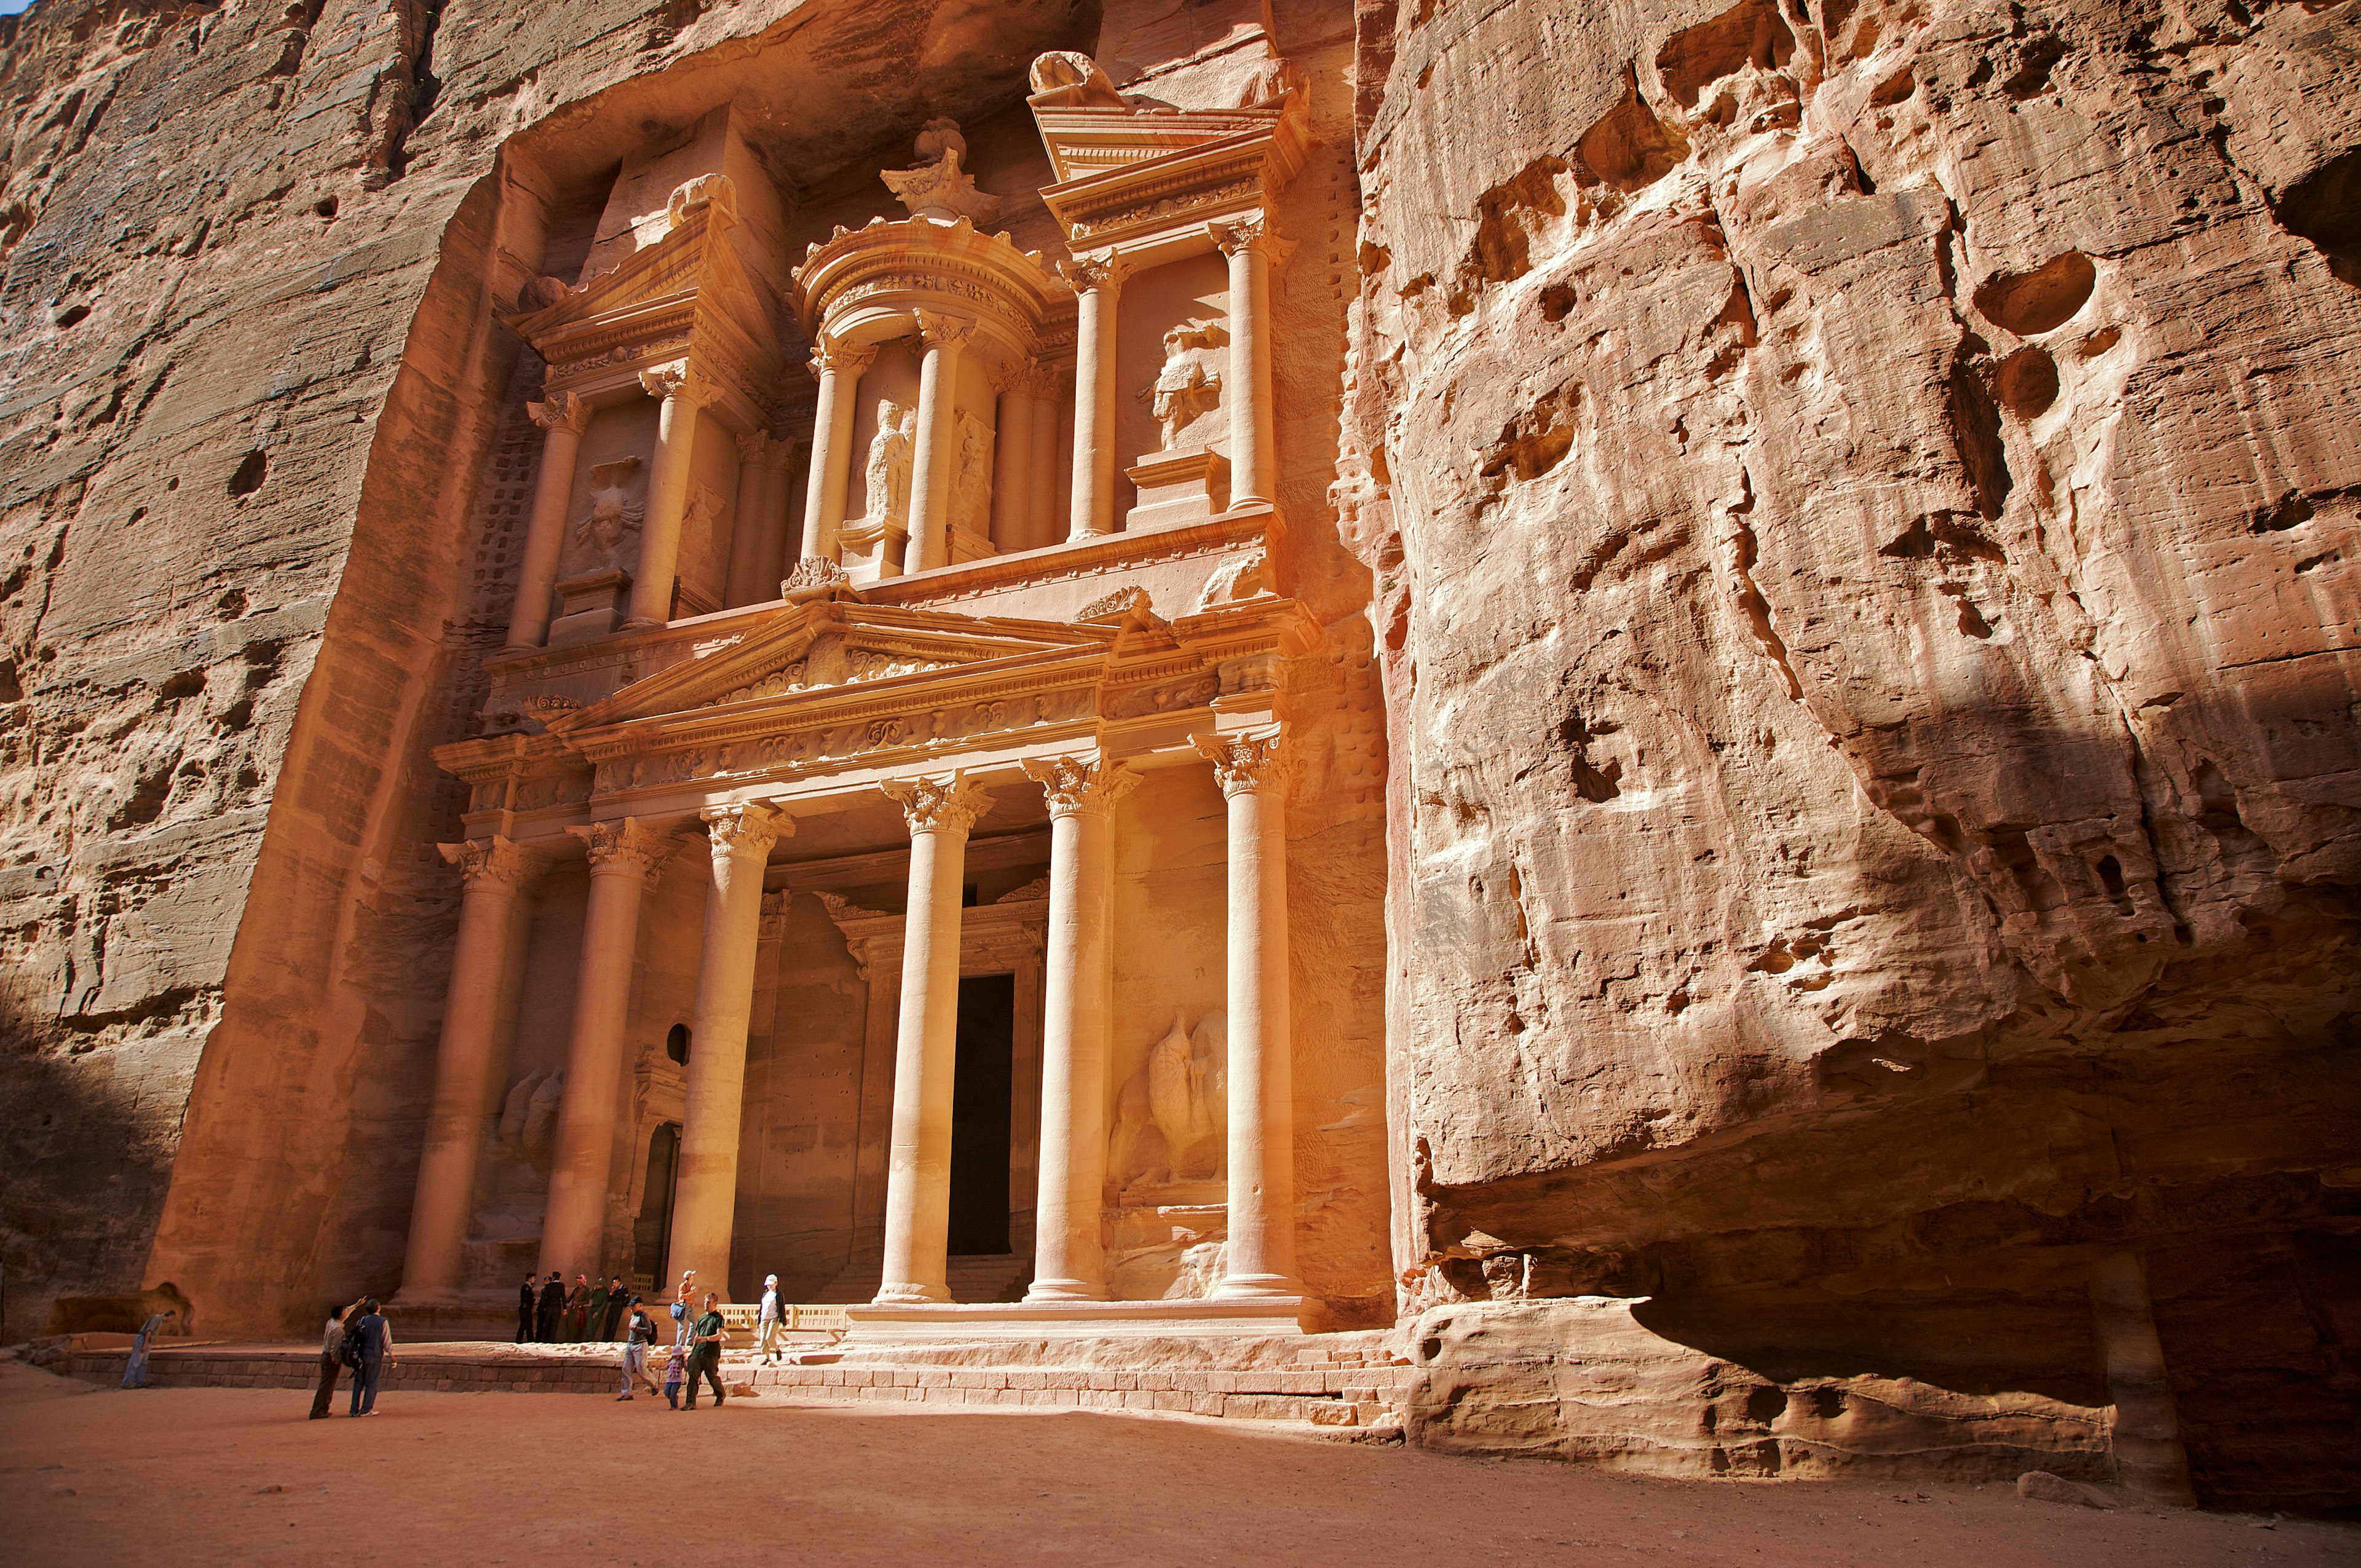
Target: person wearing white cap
[770, 1319]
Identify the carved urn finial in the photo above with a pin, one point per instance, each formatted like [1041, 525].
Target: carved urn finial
[936, 187]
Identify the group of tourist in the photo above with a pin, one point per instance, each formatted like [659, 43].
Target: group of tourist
[359, 1339]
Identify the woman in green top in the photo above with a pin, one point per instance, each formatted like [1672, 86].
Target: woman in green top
[705, 1350]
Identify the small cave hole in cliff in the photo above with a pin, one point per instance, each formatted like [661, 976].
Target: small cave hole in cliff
[249, 477]
[2030, 303]
[2326, 210]
[1751, 33]
[2027, 382]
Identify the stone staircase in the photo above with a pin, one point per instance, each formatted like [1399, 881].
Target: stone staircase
[988, 1276]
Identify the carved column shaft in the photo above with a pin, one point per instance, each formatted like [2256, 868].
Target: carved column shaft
[1094, 399]
[1253, 464]
[624, 858]
[938, 443]
[918, 1162]
[1011, 476]
[680, 395]
[839, 369]
[1261, 1077]
[564, 417]
[706, 1191]
[1078, 1011]
[482, 967]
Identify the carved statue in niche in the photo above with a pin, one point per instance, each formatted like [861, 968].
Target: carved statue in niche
[1172, 1116]
[890, 450]
[971, 482]
[616, 509]
[529, 1117]
[1189, 386]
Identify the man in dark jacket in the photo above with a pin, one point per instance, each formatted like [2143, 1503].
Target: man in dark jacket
[553, 1305]
[617, 1300]
[528, 1298]
[705, 1350]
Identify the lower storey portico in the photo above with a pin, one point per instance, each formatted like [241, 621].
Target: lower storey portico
[960, 976]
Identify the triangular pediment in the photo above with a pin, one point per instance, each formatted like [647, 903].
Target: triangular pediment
[811, 652]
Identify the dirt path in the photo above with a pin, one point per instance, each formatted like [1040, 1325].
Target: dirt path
[204, 1476]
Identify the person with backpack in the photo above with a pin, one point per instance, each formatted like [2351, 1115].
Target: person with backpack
[369, 1351]
[332, 1357]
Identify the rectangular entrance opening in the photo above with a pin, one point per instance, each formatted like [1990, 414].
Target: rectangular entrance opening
[652, 1230]
[980, 1112]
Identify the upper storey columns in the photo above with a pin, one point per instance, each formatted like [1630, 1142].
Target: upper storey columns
[680, 393]
[1253, 254]
[1098, 282]
[945, 337]
[837, 367]
[564, 417]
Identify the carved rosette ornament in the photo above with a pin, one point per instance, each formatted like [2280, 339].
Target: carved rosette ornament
[677, 384]
[626, 845]
[1243, 764]
[844, 358]
[1078, 787]
[494, 859]
[745, 833]
[561, 411]
[939, 805]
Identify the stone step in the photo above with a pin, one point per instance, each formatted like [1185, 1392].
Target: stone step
[1329, 1397]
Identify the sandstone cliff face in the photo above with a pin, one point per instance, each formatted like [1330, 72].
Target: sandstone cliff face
[251, 380]
[1864, 501]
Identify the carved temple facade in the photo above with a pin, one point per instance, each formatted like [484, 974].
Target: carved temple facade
[925, 842]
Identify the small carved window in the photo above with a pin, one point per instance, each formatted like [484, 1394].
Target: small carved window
[677, 1043]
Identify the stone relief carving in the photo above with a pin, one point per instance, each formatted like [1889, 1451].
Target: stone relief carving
[1121, 602]
[1172, 1115]
[936, 187]
[716, 191]
[617, 506]
[528, 1129]
[812, 572]
[1189, 386]
[887, 475]
[972, 484]
[1248, 577]
[1071, 69]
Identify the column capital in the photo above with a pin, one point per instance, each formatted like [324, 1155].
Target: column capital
[678, 383]
[1253, 234]
[844, 358]
[494, 859]
[1245, 764]
[746, 832]
[940, 330]
[1083, 785]
[939, 805]
[1036, 379]
[1094, 275]
[561, 411]
[625, 845]
[754, 446]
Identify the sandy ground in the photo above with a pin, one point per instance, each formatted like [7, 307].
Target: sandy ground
[203, 1475]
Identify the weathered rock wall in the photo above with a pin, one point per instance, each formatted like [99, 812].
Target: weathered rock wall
[1864, 504]
[252, 379]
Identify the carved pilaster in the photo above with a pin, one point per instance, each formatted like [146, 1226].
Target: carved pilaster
[626, 844]
[493, 860]
[1080, 787]
[1245, 764]
[939, 805]
[561, 411]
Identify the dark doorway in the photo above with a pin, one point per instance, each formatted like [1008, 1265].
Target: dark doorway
[980, 1109]
[651, 1232]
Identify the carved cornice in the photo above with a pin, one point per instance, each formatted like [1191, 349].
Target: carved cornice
[1245, 764]
[493, 861]
[939, 804]
[561, 411]
[1082, 785]
[624, 845]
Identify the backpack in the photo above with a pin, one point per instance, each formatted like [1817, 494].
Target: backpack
[349, 1351]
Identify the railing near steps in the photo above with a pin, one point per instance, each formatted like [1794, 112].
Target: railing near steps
[802, 1320]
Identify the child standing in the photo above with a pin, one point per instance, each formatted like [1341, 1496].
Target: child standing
[675, 1370]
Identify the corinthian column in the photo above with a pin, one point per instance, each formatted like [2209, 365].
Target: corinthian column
[1069, 1263]
[564, 417]
[705, 1197]
[486, 954]
[1252, 252]
[838, 369]
[1261, 1079]
[937, 448]
[681, 392]
[1095, 403]
[1012, 462]
[918, 1166]
[624, 859]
